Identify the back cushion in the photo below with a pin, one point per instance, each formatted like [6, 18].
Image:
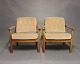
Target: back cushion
[26, 24]
[54, 24]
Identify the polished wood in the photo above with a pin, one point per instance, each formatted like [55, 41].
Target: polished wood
[43, 46]
[57, 40]
[11, 47]
[24, 40]
[69, 27]
[38, 44]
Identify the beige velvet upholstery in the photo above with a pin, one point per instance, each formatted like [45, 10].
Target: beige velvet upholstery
[24, 35]
[57, 35]
[26, 24]
[54, 24]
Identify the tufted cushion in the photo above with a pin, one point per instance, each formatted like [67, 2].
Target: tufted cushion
[57, 35]
[54, 24]
[26, 24]
[24, 35]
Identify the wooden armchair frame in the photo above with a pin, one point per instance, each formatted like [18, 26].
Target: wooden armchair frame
[57, 40]
[24, 40]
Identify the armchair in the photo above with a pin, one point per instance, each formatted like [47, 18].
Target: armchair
[27, 30]
[54, 31]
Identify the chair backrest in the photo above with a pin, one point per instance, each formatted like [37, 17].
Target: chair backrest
[26, 24]
[54, 24]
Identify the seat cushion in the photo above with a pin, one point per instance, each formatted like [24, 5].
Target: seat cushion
[54, 24]
[26, 24]
[57, 35]
[24, 36]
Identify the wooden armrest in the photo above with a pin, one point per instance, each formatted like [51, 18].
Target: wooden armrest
[43, 32]
[38, 27]
[11, 27]
[69, 27]
[43, 28]
[10, 32]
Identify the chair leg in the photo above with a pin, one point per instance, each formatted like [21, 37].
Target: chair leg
[70, 47]
[63, 43]
[36, 43]
[17, 43]
[38, 46]
[43, 46]
[11, 48]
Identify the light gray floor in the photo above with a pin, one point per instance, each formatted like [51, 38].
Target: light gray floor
[27, 53]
